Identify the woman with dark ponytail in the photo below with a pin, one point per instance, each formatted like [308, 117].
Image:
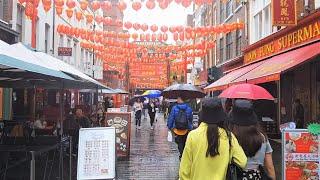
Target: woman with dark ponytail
[206, 155]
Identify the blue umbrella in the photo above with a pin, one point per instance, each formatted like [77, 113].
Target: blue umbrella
[152, 94]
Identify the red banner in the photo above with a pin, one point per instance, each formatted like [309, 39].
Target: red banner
[284, 12]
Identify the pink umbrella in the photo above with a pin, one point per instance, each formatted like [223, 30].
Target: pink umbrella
[246, 91]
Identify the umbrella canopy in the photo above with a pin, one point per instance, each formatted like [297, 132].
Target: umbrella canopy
[134, 99]
[152, 93]
[183, 90]
[120, 91]
[246, 91]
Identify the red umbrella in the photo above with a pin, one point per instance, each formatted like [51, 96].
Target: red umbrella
[246, 91]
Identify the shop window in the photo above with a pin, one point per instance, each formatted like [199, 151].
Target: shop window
[19, 26]
[267, 21]
[238, 42]
[228, 46]
[228, 8]
[221, 50]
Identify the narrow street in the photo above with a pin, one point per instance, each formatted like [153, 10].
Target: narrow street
[151, 155]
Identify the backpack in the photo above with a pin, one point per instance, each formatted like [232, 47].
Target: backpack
[182, 120]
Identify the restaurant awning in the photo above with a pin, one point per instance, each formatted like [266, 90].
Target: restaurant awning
[70, 70]
[227, 79]
[271, 68]
[12, 61]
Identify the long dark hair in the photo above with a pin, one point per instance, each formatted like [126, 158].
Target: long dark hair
[249, 137]
[213, 139]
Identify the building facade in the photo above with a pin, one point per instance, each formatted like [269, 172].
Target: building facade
[284, 60]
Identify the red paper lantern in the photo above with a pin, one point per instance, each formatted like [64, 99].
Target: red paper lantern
[142, 37]
[99, 19]
[178, 1]
[46, 8]
[46, 5]
[136, 26]
[21, 1]
[134, 36]
[153, 37]
[118, 23]
[107, 21]
[165, 37]
[59, 3]
[95, 5]
[136, 6]
[106, 5]
[70, 4]
[181, 36]
[186, 3]
[175, 36]
[83, 4]
[154, 28]
[164, 29]
[164, 5]
[172, 29]
[128, 25]
[69, 13]
[59, 10]
[199, 2]
[144, 27]
[151, 4]
[159, 37]
[89, 18]
[122, 5]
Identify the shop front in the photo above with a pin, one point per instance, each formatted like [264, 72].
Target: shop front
[287, 64]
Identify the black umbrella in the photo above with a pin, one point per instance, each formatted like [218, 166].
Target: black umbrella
[188, 91]
[134, 99]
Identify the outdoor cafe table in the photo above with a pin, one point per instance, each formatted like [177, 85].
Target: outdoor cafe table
[33, 150]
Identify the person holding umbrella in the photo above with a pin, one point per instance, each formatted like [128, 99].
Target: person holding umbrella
[180, 122]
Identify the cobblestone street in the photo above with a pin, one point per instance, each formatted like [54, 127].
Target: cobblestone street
[151, 155]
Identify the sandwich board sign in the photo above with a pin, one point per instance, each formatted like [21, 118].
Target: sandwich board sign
[96, 153]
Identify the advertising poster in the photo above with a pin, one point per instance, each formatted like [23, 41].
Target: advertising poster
[96, 153]
[122, 123]
[301, 155]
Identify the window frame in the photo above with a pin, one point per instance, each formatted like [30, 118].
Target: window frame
[229, 43]
[229, 9]
[238, 42]
[221, 50]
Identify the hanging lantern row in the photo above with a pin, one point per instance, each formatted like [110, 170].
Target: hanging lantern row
[184, 34]
[178, 29]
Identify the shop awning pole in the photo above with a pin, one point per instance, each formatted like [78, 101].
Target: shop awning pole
[61, 128]
[279, 105]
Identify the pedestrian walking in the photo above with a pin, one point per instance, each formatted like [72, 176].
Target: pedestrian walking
[83, 121]
[298, 114]
[152, 112]
[138, 106]
[244, 125]
[180, 122]
[207, 152]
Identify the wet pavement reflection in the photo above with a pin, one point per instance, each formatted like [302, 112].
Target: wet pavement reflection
[151, 155]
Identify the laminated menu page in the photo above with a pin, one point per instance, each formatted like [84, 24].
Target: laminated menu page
[96, 153]
[301, 155]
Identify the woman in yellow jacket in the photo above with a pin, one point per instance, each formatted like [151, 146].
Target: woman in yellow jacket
[206, 155]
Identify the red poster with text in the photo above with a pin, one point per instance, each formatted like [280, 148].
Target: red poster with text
[284, 12]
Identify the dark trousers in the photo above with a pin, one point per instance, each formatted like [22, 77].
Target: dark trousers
[138, 118]
[181, 141]
[152, 116]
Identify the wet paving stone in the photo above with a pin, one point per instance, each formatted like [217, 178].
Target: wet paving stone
[151, 155]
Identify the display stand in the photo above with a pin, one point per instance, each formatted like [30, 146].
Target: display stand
[301, 155]
[96, 153]
[122, 123]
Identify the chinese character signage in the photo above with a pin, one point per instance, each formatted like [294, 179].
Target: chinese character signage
[301, 155]
[64, 51]
[96, 153]
[284, 12]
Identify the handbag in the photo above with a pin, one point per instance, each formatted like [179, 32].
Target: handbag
[234, 172]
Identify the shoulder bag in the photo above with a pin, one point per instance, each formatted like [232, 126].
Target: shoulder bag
[234, 172]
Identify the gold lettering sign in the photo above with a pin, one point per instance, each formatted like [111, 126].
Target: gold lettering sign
[304, 34]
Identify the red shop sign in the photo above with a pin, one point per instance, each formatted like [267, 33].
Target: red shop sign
[284, 12]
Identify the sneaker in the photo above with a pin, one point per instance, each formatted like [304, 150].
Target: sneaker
[151, 128]
[139, 127]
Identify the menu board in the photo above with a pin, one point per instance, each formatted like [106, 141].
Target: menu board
[122, 122]
[301, 155]
[96, 153]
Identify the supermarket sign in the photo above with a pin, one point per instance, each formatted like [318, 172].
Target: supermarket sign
[301, 155]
